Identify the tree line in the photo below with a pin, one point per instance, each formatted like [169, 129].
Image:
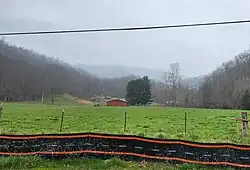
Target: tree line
[27, 75]
[227, 87]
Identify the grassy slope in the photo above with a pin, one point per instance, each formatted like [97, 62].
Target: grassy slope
[202, 125]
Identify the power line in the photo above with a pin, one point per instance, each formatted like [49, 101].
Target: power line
[125, 28]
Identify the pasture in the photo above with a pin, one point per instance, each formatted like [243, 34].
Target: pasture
[203, 125]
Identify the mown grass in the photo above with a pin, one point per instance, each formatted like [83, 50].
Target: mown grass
[203, 125]
[37, 163]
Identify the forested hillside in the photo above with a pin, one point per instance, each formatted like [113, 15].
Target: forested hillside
[224, 87]
[26, 75]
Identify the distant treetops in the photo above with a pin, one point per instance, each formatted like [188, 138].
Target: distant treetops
[139, 92]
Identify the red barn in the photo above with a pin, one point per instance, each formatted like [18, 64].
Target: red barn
[117, 102]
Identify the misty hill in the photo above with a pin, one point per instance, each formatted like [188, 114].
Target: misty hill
[26, 75]
[193, 82]
[123, 71]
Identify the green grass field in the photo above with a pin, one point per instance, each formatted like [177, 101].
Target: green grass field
[93, 164]
[203, 125]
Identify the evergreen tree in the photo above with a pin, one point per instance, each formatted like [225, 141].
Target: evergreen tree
[131, 93]
[245, 101]
[147, 95]
[139, 91]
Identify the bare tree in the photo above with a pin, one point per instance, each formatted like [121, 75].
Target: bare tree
[172, 82]
[224, 87]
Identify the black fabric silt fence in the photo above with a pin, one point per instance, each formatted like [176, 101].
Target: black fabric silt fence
[125, 147]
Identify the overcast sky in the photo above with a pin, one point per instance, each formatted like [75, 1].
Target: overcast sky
[198, 50]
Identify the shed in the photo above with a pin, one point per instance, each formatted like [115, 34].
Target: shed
[117, 102]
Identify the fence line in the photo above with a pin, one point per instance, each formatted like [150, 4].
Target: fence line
[125, 147]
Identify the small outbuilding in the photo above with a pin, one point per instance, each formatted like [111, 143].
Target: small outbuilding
[117, 102]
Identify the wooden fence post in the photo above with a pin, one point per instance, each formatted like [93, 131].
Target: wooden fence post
[42, 98]
[62, 121]
[125, 121]
[244, 123]
[185, 123]
[1, 109]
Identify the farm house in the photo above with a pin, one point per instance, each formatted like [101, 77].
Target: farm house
[117, 102]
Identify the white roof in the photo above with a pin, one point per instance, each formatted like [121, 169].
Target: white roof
[124, 100]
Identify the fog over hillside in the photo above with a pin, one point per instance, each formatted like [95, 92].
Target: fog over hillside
[121, 71]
